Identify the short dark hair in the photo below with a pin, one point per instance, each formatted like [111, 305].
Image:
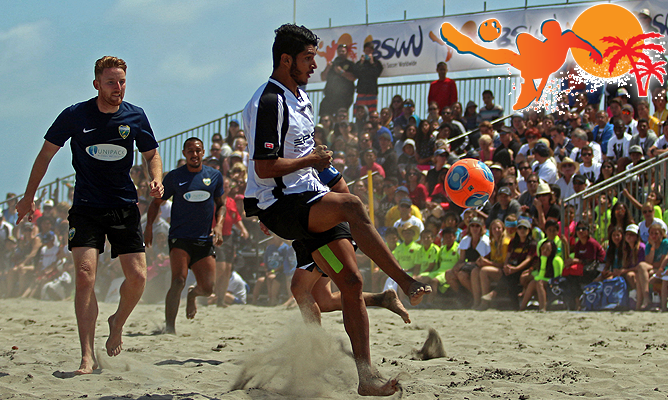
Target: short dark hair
[190, 140]
[291, 40]
[487, 91]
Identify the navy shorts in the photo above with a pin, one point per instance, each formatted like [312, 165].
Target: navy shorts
[288, 218]
[90, 225]
[196, 249]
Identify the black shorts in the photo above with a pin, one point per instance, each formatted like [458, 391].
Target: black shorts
[304, 258]
[90, 225]
[225, 252]
[288, 218]
[196, 249]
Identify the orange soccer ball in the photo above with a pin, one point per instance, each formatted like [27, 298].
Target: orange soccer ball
[469, 183]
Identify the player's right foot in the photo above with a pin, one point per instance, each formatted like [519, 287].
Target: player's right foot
[377, 386]
[416, 291]
[87, 366]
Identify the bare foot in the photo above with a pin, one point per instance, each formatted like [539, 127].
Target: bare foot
[416, 291]
[392, 303]
[191, 305]
[377, 386]
[170, 330]
[87, 366]
[114, 343]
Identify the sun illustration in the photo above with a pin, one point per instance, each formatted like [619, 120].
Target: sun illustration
[598, 22]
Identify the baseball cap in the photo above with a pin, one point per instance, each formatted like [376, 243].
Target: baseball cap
[517, 115]
[541, 149]
[504, 190]
[471, 104]
[635, 149]
[237, 153]
[579, 178]
[402, 189]
[525, 223]
[496, 166]
[632, 228]
[476, 221]
[234, 121]
[48, 203]
[405, 201]
[385, 136]
[645, 12]
[440, 152]
[622, 92]
[408, 142]
[627, 107]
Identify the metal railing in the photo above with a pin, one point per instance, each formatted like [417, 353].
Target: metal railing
[640, 180]
[170, 147]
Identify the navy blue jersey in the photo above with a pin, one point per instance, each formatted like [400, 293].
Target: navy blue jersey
[102, 150]
[193, 204]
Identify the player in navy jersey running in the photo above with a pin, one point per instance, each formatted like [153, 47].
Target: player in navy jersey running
[198, 192]
[284, 191]
[102, 132]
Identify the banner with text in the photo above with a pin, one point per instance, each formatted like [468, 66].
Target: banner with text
[415, 47]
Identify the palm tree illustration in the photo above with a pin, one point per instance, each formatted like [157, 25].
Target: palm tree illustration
[634, 51]
[644, 70]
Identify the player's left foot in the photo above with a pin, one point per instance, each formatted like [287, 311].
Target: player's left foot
[191, 304]
[391, 302]
[114, 344]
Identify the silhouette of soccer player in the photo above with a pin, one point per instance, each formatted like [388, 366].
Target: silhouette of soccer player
[535, 59]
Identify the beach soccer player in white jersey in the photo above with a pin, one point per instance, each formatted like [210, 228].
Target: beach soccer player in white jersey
[102, 132]
[197, 192]
[284, 191]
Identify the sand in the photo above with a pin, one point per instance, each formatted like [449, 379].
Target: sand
[489, 355]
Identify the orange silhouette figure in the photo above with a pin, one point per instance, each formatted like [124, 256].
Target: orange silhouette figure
[535, 59]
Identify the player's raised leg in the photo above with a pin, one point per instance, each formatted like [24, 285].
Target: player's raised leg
[134, 269]
[205, 274]
[335, 208]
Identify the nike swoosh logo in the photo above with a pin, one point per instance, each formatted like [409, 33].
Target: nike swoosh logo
[181, 184]
[88, 130]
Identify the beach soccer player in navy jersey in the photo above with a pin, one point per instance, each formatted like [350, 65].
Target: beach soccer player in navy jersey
[102, 132]
[284, 191]
[197, 192]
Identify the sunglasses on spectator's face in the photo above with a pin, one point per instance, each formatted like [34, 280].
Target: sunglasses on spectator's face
[587, 154]
[626, 112]
[433, 109]
[532, 181]
[523, 168]
[582, 229]
[647, 211]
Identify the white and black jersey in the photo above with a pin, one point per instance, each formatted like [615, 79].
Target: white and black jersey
[279, 125]
[661, 143]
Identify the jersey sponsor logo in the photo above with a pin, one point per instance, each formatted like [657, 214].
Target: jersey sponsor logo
[106, 152]
[88, 130]
[124, 131]
[196, 196]
[206, 181]
[268, 145]
[71, 233]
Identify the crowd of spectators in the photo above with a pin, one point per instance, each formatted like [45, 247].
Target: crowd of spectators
[507, 253]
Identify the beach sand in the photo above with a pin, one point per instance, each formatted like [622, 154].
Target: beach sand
[248, 352]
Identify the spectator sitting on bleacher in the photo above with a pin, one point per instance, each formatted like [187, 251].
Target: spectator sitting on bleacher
[473, 246]
[471, 117]
[544, 165]
[408, 112]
